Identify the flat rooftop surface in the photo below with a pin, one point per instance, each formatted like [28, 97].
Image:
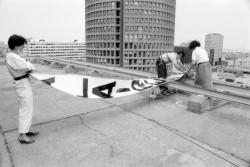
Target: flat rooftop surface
[134, 131]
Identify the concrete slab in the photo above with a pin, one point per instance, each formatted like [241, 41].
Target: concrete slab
[132, 100]
[7, 89]
[39, 153]
[219, 132]
[4, 154]
[110, 137]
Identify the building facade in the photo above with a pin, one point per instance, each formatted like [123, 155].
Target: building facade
[3, 49]
[214, 47]
[235, 55]
[129, 33]
[67, 50]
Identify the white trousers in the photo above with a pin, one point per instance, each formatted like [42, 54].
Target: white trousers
[25, 99]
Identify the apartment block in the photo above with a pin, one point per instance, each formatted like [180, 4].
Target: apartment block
[55, 49]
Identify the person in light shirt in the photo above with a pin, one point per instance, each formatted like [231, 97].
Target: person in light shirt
[200, 59]
[167, 58]
[163, 61]
[20, 69]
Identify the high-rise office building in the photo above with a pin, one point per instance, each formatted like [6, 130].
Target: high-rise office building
[214, 46]
[129, 33]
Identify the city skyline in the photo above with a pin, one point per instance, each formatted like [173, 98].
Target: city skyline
[63, 20]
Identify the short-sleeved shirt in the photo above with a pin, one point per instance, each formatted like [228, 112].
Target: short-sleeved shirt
[17, 65]
[199, 55]
[169, 57]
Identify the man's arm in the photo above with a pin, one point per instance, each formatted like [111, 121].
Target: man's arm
[177, 64]
[180, 67]
[193, 64]
[19, 64]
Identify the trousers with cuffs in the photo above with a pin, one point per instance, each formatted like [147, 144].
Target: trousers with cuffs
[25, 99]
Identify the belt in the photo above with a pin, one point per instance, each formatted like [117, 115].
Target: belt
[21, 77]
[202, 62]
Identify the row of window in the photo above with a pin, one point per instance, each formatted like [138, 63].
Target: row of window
[139, 62]
[140, 19]
[133, 46]
[156, 4]
[53, 53]
[172, 2]
[132, 21]
[147, 37]
[131, 12]
[149, 21]
[126, 61]
[161, 4]
[103, 45]
[55, 46]
[103, 5]
[91, 1]
[110, 37]
[100, 22]
[149, 13]
[116, 62]
[103, 29]
[129, 46]
[104, 61]
[131, 29]
[103, 53]
[149, 29]
[103, 13]
[141, 66]
[130, 37]
[143, 54]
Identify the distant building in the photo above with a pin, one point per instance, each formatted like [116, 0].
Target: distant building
[235, 55]
[214, 46]
[75, 50]
[129, 33]
[187, 59]
[243, 63]
[240, 50]
[3, 49]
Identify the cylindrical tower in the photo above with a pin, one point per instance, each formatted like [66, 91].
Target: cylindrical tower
[129, 33]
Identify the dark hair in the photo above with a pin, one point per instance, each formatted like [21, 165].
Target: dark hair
[16, 40]
[194, 44]
[181, 52]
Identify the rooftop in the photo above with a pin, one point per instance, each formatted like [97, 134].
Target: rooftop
[133, 130]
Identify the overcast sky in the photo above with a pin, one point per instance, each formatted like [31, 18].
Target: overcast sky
[231, 18]
[63, 20]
